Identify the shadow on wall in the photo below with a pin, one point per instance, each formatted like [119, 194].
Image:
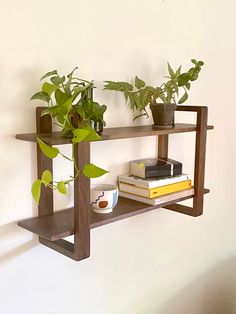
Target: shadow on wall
[9, 233]
[214, 292]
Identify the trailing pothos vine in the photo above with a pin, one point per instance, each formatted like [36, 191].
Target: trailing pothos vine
[68, 98]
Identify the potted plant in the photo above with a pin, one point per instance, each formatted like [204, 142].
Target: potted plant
[67, 96]
[162, 99]
[70, 103]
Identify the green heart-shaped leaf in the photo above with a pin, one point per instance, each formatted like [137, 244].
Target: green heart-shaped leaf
[46, 177]
[80, 135]
[60, 118]
[49, 88]
[139, 83]
[98, 111]
[45, 112]
[61, 187]
[41, 96]
[68, 104]
[56, 80]
[36, 190]
[49, 151]
[92, 171]
[54, 72]
[92, 136]
[60, 97]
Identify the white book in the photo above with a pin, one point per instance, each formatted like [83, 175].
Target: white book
[160, 199]
[151, 183]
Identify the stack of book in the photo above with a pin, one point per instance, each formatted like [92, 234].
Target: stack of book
[155, 181]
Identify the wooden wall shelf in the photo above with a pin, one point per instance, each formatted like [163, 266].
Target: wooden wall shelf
[52, 226]
[111, 133]
[60, 224]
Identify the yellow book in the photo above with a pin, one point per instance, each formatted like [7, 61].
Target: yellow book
[155, 192]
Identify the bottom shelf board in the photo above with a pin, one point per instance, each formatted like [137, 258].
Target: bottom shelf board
[61, 224]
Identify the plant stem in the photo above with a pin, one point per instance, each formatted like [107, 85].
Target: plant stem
[65, 156]
[76, 78]
[60, 125]
[73, 158]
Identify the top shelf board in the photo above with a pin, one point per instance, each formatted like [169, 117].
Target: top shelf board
[111, 133]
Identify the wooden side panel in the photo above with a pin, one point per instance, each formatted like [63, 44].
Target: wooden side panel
[62, 246]
[81, 247]
[199, 165]
[82, 204]
[200, 156]
[44, 125]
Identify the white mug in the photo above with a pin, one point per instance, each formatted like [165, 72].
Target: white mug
[103, 198]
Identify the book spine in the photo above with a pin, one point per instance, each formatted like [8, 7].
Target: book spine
[155, 192]
[167, 167]
[170, 188]
[157, 173]
[137, 198]
[162, 172]
[158, 200]
[149, 184]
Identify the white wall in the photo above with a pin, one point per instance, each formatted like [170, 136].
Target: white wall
[160, 262]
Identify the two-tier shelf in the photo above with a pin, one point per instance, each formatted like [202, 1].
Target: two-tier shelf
[52, 226]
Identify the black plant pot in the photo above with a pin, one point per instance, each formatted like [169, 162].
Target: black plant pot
[97, 126]
[76, 121]
[163, 115]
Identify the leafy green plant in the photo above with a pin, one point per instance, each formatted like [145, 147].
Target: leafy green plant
[139, 94]
[68, 98]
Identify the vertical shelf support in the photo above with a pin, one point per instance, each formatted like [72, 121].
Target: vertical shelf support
[44, 125]
[82, 204]
[199, 165]
[163, 146]
[81, 247]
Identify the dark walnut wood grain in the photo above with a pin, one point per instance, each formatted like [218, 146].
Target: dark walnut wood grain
[199, 163]
[53, 227]
[61, 223]
[44, 124]
[111, 133]
[82, 204]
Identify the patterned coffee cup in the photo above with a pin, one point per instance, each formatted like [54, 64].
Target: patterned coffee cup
[103, 198]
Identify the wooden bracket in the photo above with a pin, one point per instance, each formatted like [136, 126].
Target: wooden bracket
[199, 166]
[81, 247]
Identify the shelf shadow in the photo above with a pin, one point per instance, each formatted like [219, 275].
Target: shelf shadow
[10, 230]
[212, 293]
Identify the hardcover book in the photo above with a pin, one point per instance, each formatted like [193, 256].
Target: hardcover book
[155, 192]
[154, 168]
[151, 182]
[158, 200]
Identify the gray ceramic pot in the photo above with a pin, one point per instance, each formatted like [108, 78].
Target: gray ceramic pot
[163, 115]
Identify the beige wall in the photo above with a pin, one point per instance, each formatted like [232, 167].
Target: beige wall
[160, 262]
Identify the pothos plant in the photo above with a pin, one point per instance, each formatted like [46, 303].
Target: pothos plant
[174, 90]
[67, 97]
